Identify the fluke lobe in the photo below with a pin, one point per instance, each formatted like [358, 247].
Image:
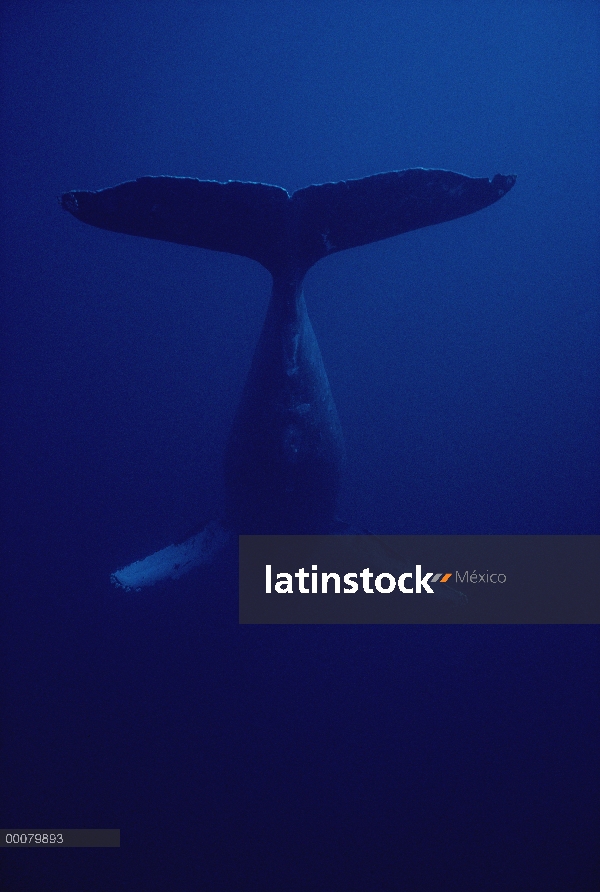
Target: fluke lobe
[285, 453]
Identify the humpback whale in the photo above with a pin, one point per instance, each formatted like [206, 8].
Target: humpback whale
[285, 453]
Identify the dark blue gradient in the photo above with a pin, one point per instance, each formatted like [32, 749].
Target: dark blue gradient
[463, 359]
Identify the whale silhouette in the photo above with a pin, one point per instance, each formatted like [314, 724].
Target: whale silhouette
[285, 453]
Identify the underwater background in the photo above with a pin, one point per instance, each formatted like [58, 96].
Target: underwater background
[463, 359]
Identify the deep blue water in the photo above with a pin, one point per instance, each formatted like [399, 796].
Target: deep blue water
[464, 363]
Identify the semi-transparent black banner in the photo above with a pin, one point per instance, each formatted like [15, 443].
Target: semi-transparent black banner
[59, 839]
[419, 579]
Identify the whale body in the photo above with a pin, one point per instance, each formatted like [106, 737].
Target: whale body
[285, 453]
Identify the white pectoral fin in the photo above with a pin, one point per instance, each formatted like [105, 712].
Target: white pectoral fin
[174, 560]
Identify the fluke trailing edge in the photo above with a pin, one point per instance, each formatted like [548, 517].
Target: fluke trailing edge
[285, 452]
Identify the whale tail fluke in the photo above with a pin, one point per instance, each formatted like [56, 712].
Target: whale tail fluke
[174, 561]
[239, 218]
[280, 231]
[337, 216]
